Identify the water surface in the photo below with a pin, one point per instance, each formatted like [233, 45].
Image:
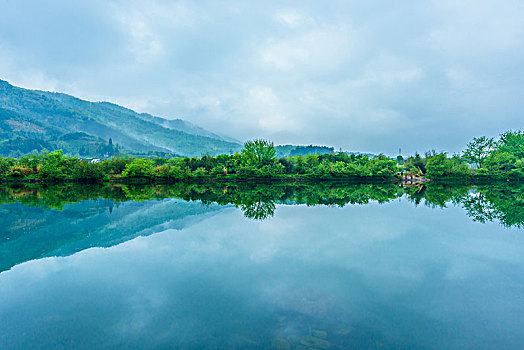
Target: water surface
[265, 267]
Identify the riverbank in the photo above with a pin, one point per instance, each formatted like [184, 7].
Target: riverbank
[118, 179]
[121, 180]
[257, 161]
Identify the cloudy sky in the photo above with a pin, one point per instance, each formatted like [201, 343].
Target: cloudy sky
[362, 75]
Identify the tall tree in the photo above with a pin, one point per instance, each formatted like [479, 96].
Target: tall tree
[258, 153]
[478, 150]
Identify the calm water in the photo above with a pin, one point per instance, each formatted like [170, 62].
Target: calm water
[163, 273]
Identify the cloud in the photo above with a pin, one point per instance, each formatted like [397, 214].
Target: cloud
[370, 76]
[294, 19]
[321, 49]
[469, 29]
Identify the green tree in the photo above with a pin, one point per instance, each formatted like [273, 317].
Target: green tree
[115, 165]
[478, 150]
[56, 166]
[258, 153]
[512, 142]
[139, 168]
[507, 158]
[5, 164]
[87, 172]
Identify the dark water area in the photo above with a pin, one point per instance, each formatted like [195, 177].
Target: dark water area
[283, 266]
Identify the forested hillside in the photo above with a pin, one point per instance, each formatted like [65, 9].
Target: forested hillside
[35, 121]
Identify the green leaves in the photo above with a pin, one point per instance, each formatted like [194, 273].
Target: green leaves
[258, 153]
[56, 167]
[86, 172]
[504, 158]
[439, 165]
[139, 168]
[258, 159]
[478, 150]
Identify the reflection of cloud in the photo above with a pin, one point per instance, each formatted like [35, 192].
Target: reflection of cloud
[365, 266]
[308, 301]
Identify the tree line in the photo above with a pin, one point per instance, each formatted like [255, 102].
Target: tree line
[483, 159]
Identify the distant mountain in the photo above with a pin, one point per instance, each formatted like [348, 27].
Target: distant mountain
[181, 125]
[33, 121]
[296, 150]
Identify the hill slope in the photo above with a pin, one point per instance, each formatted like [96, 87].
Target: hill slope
[39, 119]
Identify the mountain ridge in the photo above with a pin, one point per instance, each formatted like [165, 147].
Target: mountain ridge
[35, 118]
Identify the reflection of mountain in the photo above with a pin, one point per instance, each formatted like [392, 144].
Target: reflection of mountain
[30, 229]
[30, 232]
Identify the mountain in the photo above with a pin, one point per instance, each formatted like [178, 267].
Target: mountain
[296, 150]
[32, 120]
[180, 125]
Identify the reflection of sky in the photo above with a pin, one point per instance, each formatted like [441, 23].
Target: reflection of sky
[377, 274]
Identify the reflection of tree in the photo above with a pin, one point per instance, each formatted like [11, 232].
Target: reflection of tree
[58, 195]
[498, 202]
[259, 210]
[479, 208]
[436, 195]
[502, 202]
[258, 201]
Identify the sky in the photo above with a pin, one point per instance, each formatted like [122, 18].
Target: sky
[370, 76]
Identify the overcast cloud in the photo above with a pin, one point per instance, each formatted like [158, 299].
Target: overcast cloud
[362, 75]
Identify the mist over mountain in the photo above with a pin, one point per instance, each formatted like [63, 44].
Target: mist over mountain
[36, 121]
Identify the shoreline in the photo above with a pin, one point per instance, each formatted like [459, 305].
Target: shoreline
[367, 180]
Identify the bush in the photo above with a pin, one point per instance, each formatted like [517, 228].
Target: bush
[87, 172]
[139, 168]
[5, 164]
[439, 166]
[115, 165]
[55, 166]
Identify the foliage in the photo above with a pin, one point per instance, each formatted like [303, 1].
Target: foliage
[115, 165]
[257, 160]
[478, 150]
[439, 166]
[492, 159]
[257, 153]
[87, 172]
[6, 164]
[506, 158]
[416, 164]
[502, 202]
[139, 168]
[55, 166]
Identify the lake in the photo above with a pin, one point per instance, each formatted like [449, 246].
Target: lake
[286, 266]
